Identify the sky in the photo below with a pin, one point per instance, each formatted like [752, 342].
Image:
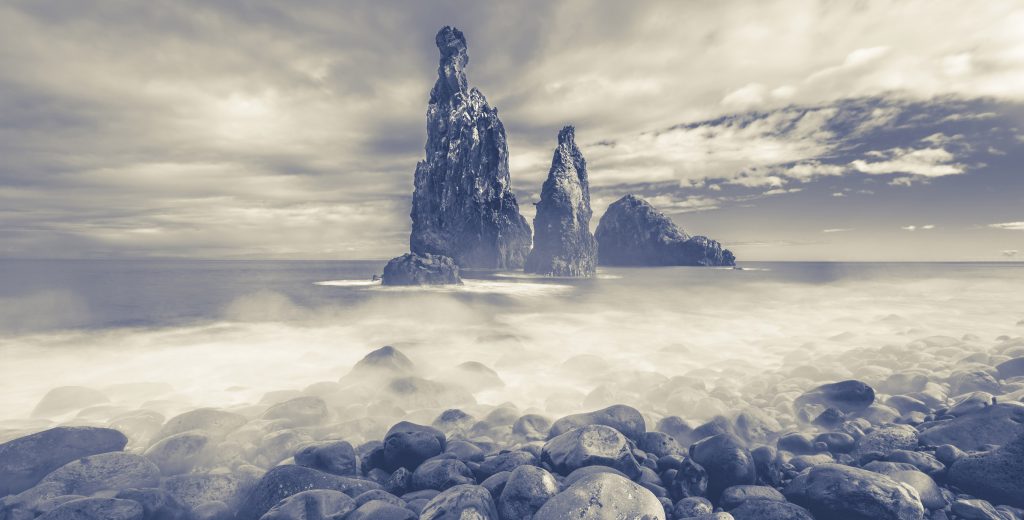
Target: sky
[787, 130]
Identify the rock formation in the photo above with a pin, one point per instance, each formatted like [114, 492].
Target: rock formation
[632, 232]
[562, 242]
[463, 206]
[425, 269]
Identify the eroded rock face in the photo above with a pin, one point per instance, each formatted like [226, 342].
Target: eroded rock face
[417, 269]
[562, 242]
[632, 232]
[463, 206]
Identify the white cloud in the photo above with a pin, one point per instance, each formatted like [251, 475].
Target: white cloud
[1010, 226]
[836, 230]
[909, 228]
[927, 162]
[750, 94]
[1010, 253]
[838, 194]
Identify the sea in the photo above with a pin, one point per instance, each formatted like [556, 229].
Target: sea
[224, 333]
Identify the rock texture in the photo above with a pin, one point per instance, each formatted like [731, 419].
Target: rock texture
[562, 242]
[634, 233]
[463, 206]
[425, 269]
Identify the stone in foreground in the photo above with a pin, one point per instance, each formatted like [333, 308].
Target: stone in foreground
[996, 475]
[562, 242]
[463, 206]
[26, 460]
[633, 233]
[603, 496]
[842, 492]
[421, 269]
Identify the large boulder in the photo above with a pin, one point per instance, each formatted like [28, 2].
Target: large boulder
[421, 269]
[626, 419]
[302, 411]
[195, 489]
[284, 481]
[106, 471]
[407, 445]
[335, 457]
[562, 242]
[178, 453]
[769, 510]
[216, 423]
[632, 232]
[603, 496]
[727, 462]
[26, 460]
[463, 502]
[882, 441]
[593, 445]
[96, 509]
[1011, 368]
[840, 492]
[993, 425]
[441, 474]
[525, 491]
[996, 475]
[463, 206]
[845, 396]
[315, 504]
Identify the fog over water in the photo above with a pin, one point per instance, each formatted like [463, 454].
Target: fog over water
[141, 332]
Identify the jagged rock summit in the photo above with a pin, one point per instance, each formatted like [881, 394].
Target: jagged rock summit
[562, 242]
[632, 232]
[463, 206]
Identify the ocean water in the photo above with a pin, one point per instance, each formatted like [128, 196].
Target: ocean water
[172, 335]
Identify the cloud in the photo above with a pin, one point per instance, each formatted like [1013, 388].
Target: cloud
[836, 230]
[1010, 253]
[1010, 226]
[927, 162]
[912, 227]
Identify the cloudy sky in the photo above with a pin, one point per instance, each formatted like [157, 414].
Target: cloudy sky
[789, 130]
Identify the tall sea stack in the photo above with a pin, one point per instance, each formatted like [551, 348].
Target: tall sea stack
[463, 206]
[562, 242]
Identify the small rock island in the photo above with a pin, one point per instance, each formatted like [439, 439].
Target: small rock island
[562, 242]
[632, 232]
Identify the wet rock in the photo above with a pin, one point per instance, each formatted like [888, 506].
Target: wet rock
[692, 506]
[532, 426]
[928, 491]
[884, 440]
[769, 510]
[421, 269]
[756, 427]
[632, 232]
[194, 490]
[589, 446]
[726, 460]
[26, 460]
[64, 399]
[677, 427]
[216, 423]
[505, 461]
[690, 480]
[157, 504]
[836, 442]
[441, 474]
[408, 445]
[300, 411]
[1011, 368]
[797, 443]
[96, 509]
[602, 496]
[841, 492]
[970, 403]
[660, 444]
[996, 425]
[315, 504]
[386, 360]
[284, 481]
[626, 419]
[966, 381]
[465, 451]
[461, 502]
[105, 471]
[526, 490]
[562, 242]
[845, 396]
[496, 483]
[380, 510]
[378, 495]
[923, 461]
[733, 496]
[334, 457]
[997, 475]
[178, 453]
[463, 206]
